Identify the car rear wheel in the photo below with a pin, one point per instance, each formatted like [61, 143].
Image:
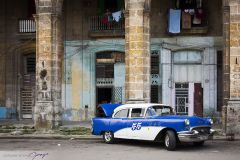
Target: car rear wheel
[201, 143]
[170, 140]
[108, 137]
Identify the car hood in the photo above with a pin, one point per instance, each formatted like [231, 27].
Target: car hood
[194, 120]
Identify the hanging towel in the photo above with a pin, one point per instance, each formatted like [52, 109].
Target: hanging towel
[117, 15]
[186, 20]
[174, 21]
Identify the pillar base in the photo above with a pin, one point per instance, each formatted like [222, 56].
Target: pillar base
[233, 117]
[43, 115]
[135, 101]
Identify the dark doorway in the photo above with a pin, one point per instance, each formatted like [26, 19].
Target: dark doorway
[198, 99]
[28, 88]
[219, 80]
[104, 95]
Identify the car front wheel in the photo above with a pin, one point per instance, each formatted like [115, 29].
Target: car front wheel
[108, 137]
[170, 140]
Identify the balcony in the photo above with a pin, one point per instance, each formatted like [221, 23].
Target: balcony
[187, 21]
[99, 28]
[105, 82]
[26, 26]
[26, 29]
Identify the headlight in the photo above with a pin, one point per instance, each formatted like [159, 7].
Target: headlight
[187, 122]
[210, 121]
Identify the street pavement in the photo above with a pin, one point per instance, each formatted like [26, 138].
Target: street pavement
[96, 149]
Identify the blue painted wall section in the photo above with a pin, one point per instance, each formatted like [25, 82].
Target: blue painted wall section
[79, 76]
[8, 113]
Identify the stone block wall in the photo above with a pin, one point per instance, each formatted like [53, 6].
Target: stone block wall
[232, 56]
[49, 53]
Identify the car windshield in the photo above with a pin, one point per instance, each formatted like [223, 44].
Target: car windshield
[163, 110]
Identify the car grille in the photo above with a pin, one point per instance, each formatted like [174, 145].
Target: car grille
[202, 130]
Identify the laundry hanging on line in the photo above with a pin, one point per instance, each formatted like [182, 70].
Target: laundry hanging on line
[174, 21]
[117, 15]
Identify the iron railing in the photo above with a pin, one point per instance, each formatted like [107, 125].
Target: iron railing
[26, 26]
[99, 23]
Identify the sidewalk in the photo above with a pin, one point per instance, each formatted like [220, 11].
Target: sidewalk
[69, 130]
[14, 129]
[50, 136]
[68, 124]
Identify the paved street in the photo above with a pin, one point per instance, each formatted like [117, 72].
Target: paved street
[29, 149]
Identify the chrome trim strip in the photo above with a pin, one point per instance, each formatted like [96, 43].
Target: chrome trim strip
[199, 127]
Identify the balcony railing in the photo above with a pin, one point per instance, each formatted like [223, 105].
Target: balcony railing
[99, 27]
[105, 81]
[26, 26]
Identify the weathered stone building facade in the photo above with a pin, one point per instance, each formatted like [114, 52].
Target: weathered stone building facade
[60, 58]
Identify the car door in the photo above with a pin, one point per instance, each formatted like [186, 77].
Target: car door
[119, 123]
[136, 123]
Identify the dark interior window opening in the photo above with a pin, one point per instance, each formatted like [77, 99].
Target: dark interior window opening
[110, 5]
[154, 94]
[30, 63]
[154, 64]
[104, 95]
[219, 80]
[31, 8]
[105, 71]
[188, 4]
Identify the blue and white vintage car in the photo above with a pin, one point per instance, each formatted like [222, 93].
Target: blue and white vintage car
[152, 122]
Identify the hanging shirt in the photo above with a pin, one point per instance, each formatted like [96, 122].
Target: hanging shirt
[117, 16]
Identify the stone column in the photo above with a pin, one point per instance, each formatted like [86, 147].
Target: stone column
[233, 105]
[137, 51]
[49, 53]
[226, 62]
[2, 53]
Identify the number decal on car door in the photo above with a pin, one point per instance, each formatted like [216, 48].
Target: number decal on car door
[136, 126]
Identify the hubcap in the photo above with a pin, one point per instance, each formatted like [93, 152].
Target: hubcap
[108, 136]
[167, 140]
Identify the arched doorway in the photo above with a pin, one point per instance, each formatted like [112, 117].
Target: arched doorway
[28, 85]
[26, 68]
[110, 77]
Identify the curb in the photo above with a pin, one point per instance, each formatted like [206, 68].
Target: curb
[52, 137]
[224, 138]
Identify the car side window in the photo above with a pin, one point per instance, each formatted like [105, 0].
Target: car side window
[150, 112]
[137, 112]
[122, 114]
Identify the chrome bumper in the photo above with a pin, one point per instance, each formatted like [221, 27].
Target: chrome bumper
[194, 136]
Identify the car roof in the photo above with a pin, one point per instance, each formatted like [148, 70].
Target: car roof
[138, 105]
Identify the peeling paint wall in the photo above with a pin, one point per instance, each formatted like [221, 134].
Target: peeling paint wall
[79, 84]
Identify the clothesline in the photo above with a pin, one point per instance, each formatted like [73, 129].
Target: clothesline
[109, 17]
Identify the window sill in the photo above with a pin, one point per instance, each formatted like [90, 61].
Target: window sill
[195, 30]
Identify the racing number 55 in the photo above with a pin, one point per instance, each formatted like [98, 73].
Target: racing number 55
[136, 126]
